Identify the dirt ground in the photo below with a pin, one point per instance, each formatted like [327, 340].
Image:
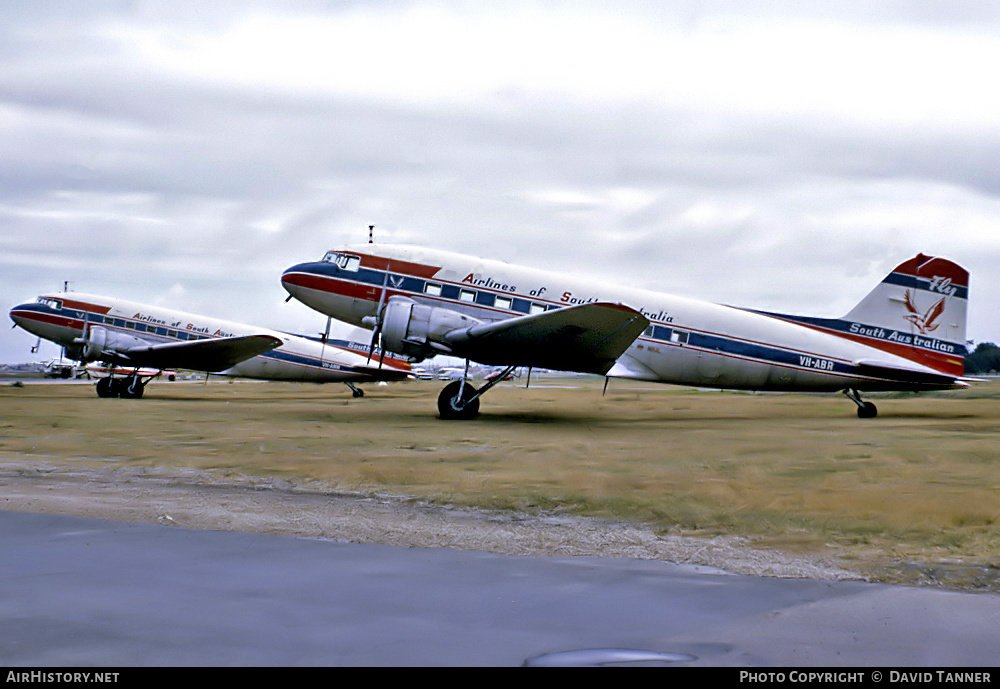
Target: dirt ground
[199, 500]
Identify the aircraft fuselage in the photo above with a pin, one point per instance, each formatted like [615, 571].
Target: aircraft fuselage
[688, 342]
[64, 317]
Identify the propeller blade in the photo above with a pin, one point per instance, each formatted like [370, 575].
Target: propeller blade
[379, 313]
[375, 336]
[326, 336]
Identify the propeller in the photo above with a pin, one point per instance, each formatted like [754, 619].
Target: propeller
[379, 316]
[326, 336]
[86, 327]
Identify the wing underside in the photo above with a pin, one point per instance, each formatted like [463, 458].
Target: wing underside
[211, 355]
[585, 339]
[383, 373]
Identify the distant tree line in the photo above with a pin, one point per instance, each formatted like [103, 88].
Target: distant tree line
[983, 359]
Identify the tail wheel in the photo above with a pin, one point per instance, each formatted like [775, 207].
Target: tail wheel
[866, 410]
[455, 402]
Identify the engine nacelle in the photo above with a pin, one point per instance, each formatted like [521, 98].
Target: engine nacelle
[417, 330]
[100, 340]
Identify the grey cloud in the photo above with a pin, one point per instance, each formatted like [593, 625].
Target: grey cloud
[152, 185]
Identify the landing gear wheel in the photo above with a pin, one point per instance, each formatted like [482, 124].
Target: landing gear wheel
[358, 392]
[451, 406]
[132, 388]
[107, 387]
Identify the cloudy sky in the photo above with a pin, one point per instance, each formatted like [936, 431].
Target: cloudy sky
[777, 155]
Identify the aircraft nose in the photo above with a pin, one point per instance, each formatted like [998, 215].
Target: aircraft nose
[297, 276]
[18, 314]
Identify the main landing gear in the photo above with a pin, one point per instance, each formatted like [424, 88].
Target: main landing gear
[131, 387]
[460, 401]
[866, 410]
[356, 391]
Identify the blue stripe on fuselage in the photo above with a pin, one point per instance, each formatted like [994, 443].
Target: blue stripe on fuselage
[287, 357]
[118, 323]
[767, 354]
[876, 333]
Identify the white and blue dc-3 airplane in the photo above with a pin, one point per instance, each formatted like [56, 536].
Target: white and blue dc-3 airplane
[132, 336]
[907, 334]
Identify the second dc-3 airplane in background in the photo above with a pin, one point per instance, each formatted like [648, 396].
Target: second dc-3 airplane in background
[907, 334]
[133, 336]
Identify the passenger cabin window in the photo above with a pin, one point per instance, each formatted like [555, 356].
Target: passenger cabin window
[505, 303]
[536, 308]
[679, 337]
[432, 289]
[467, 295]
[343, 261]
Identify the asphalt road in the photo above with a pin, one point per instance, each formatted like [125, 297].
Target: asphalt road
[83, 592]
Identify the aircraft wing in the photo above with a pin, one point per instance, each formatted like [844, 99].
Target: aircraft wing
[586, 338]
[210, 355]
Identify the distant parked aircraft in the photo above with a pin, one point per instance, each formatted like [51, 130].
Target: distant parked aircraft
[135, 337]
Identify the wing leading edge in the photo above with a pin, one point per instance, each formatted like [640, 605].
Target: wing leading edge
[584, 339]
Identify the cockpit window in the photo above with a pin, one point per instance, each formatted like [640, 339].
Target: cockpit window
[54, 303]
[343, 261]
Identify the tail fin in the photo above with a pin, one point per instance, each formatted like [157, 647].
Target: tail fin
[918, 312]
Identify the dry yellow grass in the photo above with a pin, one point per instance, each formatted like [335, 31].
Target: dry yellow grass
[797, 472]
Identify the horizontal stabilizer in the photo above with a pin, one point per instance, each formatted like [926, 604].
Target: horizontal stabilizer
[216, 354]
[904, 374]
[587, 339]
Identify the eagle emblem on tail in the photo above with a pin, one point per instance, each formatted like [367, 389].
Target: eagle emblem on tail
[925, 322]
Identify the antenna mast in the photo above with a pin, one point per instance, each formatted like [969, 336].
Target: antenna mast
[371, 234]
